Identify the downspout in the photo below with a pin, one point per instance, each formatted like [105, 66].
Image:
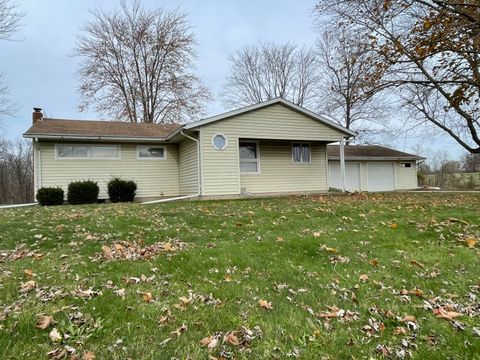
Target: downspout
[342, 163]
[38, 166]
[198, 178]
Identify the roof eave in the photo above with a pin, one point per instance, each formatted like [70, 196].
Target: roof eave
[94, 137]
[378, 158]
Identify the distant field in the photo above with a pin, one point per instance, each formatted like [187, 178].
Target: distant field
[363, 276]
[459, 181]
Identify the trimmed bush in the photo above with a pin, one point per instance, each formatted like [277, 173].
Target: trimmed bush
[82, 192]
[50, 196]
[121, 190]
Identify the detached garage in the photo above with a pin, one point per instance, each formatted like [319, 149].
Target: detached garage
[372, 168]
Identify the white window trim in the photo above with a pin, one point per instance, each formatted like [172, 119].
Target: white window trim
[152, 158]
[257, 160]
[226, 141]
[88, 158]
[302, 162]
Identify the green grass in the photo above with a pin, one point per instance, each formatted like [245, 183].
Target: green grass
[319, 245]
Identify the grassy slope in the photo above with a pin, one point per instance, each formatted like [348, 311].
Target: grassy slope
[246, 234]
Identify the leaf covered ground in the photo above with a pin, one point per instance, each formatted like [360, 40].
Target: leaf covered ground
[319, 277]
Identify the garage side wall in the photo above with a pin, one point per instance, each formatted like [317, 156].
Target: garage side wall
[406, 177]
[154, 178]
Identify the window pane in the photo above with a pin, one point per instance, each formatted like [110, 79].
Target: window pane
[248, 150]
[219, 142]
[305, 153]
[248, 167]
[99, 152]
[150, 152]
[296, 153]
[65, 151]
[80, 151]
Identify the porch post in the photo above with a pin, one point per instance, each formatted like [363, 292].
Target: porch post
[342, 162]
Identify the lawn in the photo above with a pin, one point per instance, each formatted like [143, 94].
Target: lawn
[319, 277]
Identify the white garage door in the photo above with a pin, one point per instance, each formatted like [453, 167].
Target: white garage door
[352, 175]
[380, 176]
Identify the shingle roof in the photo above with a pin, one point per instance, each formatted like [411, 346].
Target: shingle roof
[369, 152]
[113, 129]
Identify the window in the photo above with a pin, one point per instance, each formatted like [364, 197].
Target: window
[93, 152]
[219, 142]
[406, 165]
[249, 157]
[150, 152]
[301, 153]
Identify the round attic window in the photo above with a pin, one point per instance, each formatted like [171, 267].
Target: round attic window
[219, 141]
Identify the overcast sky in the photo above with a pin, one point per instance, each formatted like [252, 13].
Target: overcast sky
[41, 69]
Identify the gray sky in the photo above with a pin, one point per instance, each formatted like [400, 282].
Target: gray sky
[41, 68]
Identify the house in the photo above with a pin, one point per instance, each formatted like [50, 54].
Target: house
[271, 147]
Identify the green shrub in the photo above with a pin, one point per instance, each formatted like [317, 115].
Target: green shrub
[82, 192]
[50, 196]
[121, 190]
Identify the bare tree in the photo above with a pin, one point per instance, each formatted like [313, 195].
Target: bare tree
[267, 71]
[471, 163]
[429, 50]
[16, 172]
[10, 19]
[349, 87]
[137, 65]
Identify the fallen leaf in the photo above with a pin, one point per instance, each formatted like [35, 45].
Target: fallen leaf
[471, 242]
[147, 297]
[231, 338]
[57, 354]
[393, 226]
[265, 304]
[279, 238]
[28, 285]
[374, 262]
[210, 342]
[107, 253]
[44, 321]
[55, 335]
[228, 278]
[417, 263]
[363, 277]
[448, 315]
[179, 331]
[28, 272]
[88, 355]
[408, 318]
[317, 234]
[400, 331]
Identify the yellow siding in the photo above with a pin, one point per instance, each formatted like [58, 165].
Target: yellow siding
[275, 122]
[279, 174]
[406, 178]
[220, 169]
[188, 167]
[153, 177]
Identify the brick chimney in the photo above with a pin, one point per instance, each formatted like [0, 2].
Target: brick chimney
[37, 115]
